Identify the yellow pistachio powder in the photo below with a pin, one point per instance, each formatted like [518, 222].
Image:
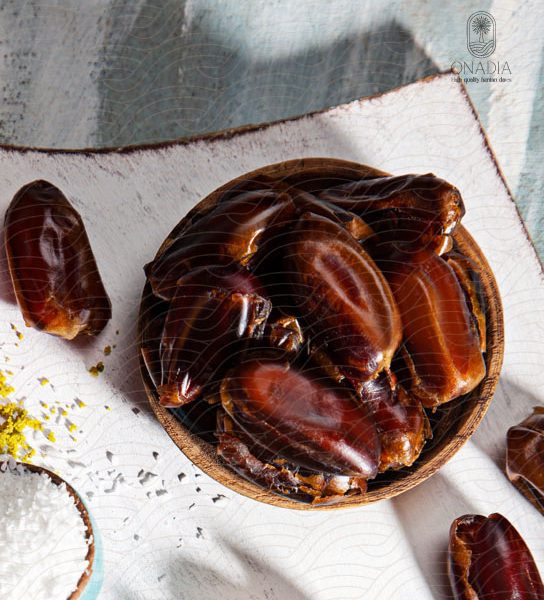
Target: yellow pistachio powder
[14, 420]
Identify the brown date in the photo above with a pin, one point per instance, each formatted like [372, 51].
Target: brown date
[525, 457]
[421, 209]
[230, 234]
[276, 474]
[399, 417]
[212, 311]
[488, 560]
[302, 418]
[441, 340]
[343, 297]
[467, 274]
[52, 267]
[355, 225]
[284, 333]
[401, 422]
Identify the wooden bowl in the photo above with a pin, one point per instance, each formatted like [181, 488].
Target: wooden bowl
[452, 423]
[86, 575]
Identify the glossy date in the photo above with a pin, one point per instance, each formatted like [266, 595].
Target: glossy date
[301, 419]
[525, 457]
[212, 312]
[441, 340]
[52, 267]
[344, 298]
[420, 209]
[488, 560]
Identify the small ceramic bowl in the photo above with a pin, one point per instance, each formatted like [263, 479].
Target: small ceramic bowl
[83, 585]
[452, 423]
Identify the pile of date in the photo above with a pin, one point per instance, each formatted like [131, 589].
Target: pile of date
[309, 326]
[304, 327]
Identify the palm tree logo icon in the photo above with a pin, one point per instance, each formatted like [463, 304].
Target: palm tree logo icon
[481, 34]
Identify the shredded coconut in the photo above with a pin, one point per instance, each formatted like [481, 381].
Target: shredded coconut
[43, 537]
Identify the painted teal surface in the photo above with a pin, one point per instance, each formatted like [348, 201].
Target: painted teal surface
[117, 72]
[94, 586]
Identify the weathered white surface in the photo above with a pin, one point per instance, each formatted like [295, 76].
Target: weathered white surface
[393, 550]
[114, 72]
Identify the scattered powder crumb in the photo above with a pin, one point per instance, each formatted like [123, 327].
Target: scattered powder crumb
[89, 495]
[71, 426]
[107, 350]
[198, 474]
[147, 478]
[95, 370]
[192, 506]
[12, 431]
[53, 410]
[51, 437]
[136, 411]
[161, 492]
[19, 335]
[109, 456]
[199, 533]
[155, 455]
[198, 489]
[63, 412]
[181, 476]
[75, 463]
[136, 536]
[5, 388]
[220, 500]
[117, 332]
[80, 403]
[107, 407]
[148, 494]
[43, 380]
[118, 480]
[161, 577]
[14, 420]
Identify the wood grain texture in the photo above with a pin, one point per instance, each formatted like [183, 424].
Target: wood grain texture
[147, 499]
[457, 421]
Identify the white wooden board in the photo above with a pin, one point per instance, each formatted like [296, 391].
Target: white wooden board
[153, 546]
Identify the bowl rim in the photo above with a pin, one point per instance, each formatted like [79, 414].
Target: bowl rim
[202, 454]
[83, 512]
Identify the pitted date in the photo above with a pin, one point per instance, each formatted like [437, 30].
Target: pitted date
[345, 300]
[400, 420]
[52, 267]
[488, 560]
[228, 235]
[421, 209]
[302, 419]
[212, 312]
[441, 341]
